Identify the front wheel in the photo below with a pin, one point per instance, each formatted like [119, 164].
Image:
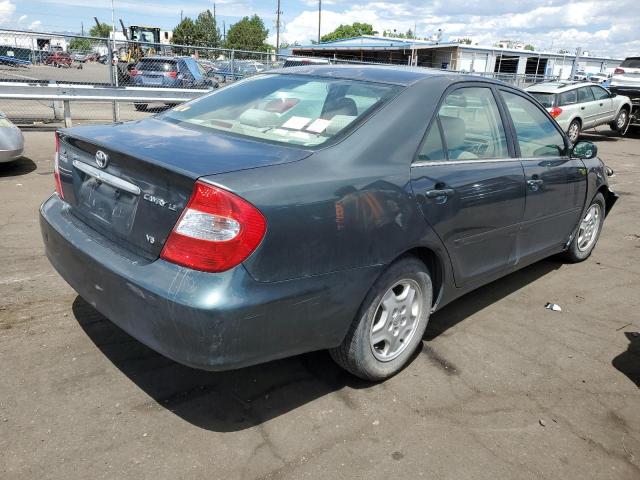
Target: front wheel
[586, 237]
[620, 124]
[573, 132]
[390, 323]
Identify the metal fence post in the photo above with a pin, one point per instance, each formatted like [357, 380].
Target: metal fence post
[233, 76]
[67, 114]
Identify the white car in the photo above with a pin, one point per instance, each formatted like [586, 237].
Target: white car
[599, 77]
[577, 106]
[627, 76]
[11, 140]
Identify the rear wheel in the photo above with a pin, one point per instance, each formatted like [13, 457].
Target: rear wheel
[573, 132]
[620, 124]
[588, 231]
[390, 323]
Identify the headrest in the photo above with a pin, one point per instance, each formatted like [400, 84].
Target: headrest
[340, 106]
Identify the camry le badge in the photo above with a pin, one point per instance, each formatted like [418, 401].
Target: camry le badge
[102, 159]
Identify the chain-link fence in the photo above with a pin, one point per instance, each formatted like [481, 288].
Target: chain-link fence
[67, 59]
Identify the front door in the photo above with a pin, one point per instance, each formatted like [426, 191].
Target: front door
[469, 188]
[555, 184]
[605, 104]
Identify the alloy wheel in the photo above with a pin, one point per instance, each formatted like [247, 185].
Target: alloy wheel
[588, 230]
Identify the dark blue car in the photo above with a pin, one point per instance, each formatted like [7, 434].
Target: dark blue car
[169, 72]
[316, 207]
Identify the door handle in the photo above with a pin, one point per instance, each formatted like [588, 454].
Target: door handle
[601, 104]
[444, 192]
[581, 108]
[535, 184]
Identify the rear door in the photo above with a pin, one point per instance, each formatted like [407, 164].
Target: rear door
[604, 101]
[555, 183]
[589, 108]
[468, 185]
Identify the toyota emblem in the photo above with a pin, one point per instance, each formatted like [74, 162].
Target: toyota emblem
[102, 159]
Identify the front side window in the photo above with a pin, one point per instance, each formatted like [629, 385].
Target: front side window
[295, 109]
[585, 95]
[599, 93]
[432, 148]
[471, 125]
[536, 134]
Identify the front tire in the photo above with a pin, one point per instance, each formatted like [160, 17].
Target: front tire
[390, 322]
[573, 132]
[620, 124]
[586, 237]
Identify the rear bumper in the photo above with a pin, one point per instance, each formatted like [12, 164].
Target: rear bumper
[209, 321]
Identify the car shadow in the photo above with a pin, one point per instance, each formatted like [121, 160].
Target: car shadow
[473, 302]
[629, 362]
[18, 167]
[240, 399]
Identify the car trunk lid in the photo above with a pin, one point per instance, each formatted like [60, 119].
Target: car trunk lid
[130, 182]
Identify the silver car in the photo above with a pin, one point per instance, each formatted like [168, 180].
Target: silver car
[11, 140]
[577, 106]
[627, 75]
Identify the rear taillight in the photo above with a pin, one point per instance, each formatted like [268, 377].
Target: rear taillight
[618, 71]
[555, 112]
[56, 168]
[216, 231]
[133, 72]
[171, 74]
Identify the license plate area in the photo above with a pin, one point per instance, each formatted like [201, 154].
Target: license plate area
[110, 206]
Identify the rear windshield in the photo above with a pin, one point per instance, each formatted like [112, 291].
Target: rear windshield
[153, 65]
[633, 62]
[292, 109]
[546, 99]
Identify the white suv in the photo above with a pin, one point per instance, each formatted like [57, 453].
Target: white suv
[577, 106]
[627, 76]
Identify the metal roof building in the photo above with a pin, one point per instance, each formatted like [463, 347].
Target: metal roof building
[456, 56]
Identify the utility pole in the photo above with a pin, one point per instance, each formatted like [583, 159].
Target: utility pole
[278, 13]
[180, 16]
[319, 17]
[116, 106]
[82, 29]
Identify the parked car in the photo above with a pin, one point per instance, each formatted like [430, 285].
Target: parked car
[316, 208]
[626, 81]
[600, 78]
[580, 76]
[11, 140]
[58, 59]
[577, 106]
[171, 72]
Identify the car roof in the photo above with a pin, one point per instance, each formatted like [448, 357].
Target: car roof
[392, 74]
[557, 86]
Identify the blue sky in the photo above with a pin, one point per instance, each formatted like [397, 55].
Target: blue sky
[603, 27]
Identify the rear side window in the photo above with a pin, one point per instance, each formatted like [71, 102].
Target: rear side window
[568, 98]
[154, 65]
[472, 126]
[585, 95]
[432, 149]
[547, 100]
[599, 93]
[536, 134]
[632, 62]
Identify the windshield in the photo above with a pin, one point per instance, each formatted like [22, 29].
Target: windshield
[546, 99]
[294, 109]
[151, 64]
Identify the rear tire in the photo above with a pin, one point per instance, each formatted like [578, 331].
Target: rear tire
[390, 322]
[141, 107]
[588, 232]
[573, 132]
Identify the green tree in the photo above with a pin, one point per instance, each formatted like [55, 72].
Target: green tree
[101, 30]
[530, 48]
[206, 30]
[248, 34]
[185, 32]
[80, 45]
[348, 31]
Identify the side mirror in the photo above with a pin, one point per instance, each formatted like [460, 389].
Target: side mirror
[613, 95]
[584, 150]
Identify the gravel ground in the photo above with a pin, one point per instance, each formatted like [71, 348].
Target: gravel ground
[501, 389]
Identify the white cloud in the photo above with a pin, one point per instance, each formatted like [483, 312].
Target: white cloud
[35, 25]
[6, 11]
[603, 27]
[22, 19]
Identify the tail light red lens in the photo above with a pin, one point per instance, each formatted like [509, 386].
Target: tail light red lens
[555, 112]
[171, 74]
[618, 71]
[56, 168]
[216, 231]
